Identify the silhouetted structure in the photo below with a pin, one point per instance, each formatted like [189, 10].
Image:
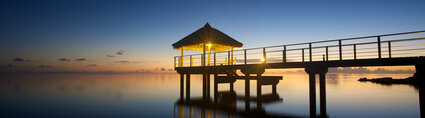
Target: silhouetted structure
[207, 39]
[226, 101]
[365, 51]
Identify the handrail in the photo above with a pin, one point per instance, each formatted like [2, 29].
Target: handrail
[309, 52]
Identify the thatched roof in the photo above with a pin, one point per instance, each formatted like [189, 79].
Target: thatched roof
[217, 40]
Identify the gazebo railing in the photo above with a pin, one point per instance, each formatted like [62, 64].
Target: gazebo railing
[407, 44]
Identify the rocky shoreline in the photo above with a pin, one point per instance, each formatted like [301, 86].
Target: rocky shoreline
[415, 81]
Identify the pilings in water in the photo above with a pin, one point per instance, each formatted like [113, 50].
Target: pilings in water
[220, 77]
[422, 100]
[312, 91]
[215, 87]
[322, 79]
[206, 85]
[253, 70]
[312, 71]
[420, 69]
[247, 93]
[222, 100]
[187, 86]
[259, 79]
[208, 88]
[181, 85]
[420, 76]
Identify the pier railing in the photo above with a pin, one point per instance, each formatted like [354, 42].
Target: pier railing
[407, 44]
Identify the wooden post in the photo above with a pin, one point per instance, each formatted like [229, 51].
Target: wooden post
[215, 88]
[284, 54]
[174, 62]
[188, 87]
[231, 86]
[327, 52]
[181, 58]
[312, 91]
[389, 49]
[209, 54]
[228, 58]
[264, 55]
[208, 85]
[309, 51]
[181, 86]
[244, 55]
[259, 79]
[379, 47]
[191, 61]
[204, 85]
[322, 83]
[302, 55]
[340, 49]
[231, 55]
[215, 60]
[355, 52]
[247, 92]
[203, 56]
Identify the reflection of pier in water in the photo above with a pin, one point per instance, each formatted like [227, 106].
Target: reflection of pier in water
[226, 101]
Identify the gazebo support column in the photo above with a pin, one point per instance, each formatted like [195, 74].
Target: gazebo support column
[209, 54]
[231, 55]
[181, 58]
[203, 55]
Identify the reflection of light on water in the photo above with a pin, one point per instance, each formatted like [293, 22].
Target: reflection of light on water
[343, 92]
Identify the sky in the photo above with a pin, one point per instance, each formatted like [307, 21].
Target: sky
[127, 36]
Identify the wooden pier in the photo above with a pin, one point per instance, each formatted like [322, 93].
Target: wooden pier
[399, 49]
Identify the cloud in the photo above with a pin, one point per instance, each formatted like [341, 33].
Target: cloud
[81, 59]
[110, 56]
[91, 65]
[10, 66]
[145, 61]
[44, 66]
[120, 52]
[21, 60]
[125, 62]
[64, 59]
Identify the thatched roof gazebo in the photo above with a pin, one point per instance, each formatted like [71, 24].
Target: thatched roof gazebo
[208, 39]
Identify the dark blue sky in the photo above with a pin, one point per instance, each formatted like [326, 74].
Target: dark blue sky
[44, 31]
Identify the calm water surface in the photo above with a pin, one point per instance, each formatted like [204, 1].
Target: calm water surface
[155, 95]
